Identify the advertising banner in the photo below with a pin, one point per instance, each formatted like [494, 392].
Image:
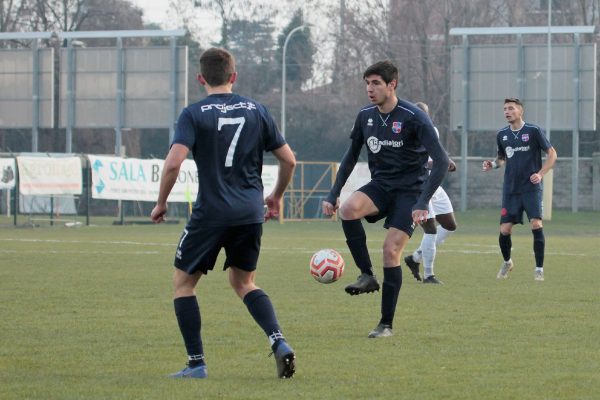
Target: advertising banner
[49, 176]
[116, 178]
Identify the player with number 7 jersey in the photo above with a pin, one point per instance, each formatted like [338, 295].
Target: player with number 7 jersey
[227, 134]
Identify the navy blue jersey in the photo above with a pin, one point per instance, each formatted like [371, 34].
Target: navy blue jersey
[228, 134]
[398, 146]
[522, 151]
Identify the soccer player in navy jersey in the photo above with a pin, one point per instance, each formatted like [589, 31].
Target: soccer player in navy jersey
[227, 134]
[520, 147]
[398, 137]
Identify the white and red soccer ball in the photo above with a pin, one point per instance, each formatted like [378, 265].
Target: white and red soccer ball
[326, 266]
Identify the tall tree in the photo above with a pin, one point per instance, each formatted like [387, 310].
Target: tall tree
[299, 52]
[12, 15]
[231, 11]
[252, 44]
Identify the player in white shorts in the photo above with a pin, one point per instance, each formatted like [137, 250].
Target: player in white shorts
[440, 210]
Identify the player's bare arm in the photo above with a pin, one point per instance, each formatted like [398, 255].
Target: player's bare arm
[175, 158]
[548, 165]
[287, 164]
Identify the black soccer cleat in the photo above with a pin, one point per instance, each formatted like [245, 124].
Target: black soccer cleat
[433, 279]
[364, 284]
[284, 359]
[413, 266]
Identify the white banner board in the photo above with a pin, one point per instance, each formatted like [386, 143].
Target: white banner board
[269, 178]
[360, 176]
[49, 176]
[7, 173]
[116, 178]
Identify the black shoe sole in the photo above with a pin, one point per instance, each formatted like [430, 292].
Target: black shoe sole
[355, 291]
[414, 267]
[289, 366]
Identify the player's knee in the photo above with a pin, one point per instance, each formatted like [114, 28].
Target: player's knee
[240, 284]
[447, 221]
[184, 284]
[349, 211]
[183, 290]
[536, 224]
[449, 226]
[391, 254]
[429, 227]
[242, 288]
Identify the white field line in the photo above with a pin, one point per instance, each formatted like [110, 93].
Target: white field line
[482, 249]
[37, 251]
[101, 242]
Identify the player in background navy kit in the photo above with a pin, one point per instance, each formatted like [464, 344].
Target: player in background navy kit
[520, 147]
[227, 135]
[398, 137]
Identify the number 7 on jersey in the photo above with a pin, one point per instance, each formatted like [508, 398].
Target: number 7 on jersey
[232, 121]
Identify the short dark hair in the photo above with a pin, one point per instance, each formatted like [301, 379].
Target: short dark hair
[386, 69]
[513, 100]
[216, 66]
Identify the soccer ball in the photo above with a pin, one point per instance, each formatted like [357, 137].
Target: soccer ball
[326, 266]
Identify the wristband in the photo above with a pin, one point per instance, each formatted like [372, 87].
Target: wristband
[495, 165]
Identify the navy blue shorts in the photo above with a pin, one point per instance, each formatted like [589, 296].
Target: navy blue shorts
[395, 206]
[199, 247]
[513, 206]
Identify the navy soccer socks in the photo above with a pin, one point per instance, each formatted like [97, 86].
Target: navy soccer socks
[539, 245]
[392, 282]
[188, 318]
[356, 239]
[260, 307]
[505, 242]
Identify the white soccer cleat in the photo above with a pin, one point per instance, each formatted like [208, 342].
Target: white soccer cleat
[538, 275]
[380, 331]
[507, 266]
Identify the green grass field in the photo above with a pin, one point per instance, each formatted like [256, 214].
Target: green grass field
[86, 313]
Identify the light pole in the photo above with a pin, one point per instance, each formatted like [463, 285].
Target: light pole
[549, 178]
[283, 76]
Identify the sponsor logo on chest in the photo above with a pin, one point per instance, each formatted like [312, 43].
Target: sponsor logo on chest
[375, 144]
[510, 151]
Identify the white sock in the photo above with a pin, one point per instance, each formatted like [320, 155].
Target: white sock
[442, 234]
[417, 255]
[428, 249]
[538, 269]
